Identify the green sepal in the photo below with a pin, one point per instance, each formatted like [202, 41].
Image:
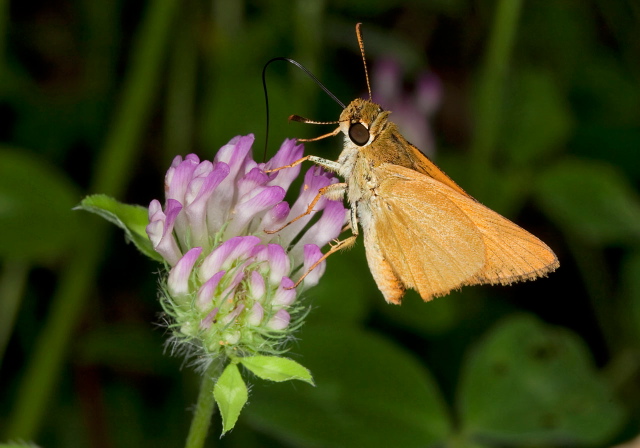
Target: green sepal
[231, 394]
[133, 219]
[277, 368]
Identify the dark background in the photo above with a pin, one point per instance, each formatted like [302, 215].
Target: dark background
[539, 119]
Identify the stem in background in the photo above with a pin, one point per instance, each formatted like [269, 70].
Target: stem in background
[308, 37]
[489, 100]
[181, 85]
[204, 408]
[13, 280]
[114, 164]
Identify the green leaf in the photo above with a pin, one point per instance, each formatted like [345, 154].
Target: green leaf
[231, 394]
[369, 392]
[538, 119]
[36, 201]
[133, 219]
[529, 384]
[590, 200]
[276, 368]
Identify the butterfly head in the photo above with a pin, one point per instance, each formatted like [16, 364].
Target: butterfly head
[362, 120]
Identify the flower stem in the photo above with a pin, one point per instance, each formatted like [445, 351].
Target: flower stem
[204, 408]
[491, 89]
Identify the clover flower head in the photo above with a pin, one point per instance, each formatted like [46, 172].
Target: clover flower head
[230, 284]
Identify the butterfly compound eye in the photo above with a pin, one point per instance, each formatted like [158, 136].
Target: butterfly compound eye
[359, 134]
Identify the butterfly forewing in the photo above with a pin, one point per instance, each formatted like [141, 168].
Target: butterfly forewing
[512, 253]
[436, 239]
[418, 234]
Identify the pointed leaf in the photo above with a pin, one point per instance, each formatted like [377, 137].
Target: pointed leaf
[276, 368]
[133, 219]
[231, 394]
[531, 384]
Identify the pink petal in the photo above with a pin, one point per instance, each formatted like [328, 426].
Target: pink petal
[178, 281]
[275, 262]
[161, 233]
[224, 255]
[274, 219]
[254, 178]
[252, 204]
[207, 291]
[285, 295]
[256, 286]
[233, 314]
[312, 254]
[255, 315]
[288, 153]
[279, 321]
[205, 324]
[178, 178]
[314, 179]
[326, 229]
[196, 211]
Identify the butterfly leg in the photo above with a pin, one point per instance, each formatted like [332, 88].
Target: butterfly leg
[339, 245]
[291, 165]
[333, 192]
[329, 165]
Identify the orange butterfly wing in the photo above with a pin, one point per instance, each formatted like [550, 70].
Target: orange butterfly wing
[464, 242]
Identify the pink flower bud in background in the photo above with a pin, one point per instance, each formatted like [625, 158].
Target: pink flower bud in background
[411, 111]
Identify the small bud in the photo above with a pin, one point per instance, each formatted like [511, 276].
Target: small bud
[255, 315]
[205, 324]
[285, 294]
[178, 281]
[208, 290]
[256, 286]
[279, 321]
[160, 230]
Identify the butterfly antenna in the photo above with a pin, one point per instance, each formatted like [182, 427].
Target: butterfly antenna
[266, 96]
[364, 60]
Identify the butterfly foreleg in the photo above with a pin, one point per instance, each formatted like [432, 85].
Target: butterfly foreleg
[337, 245]
[327, 164]
[333, 192]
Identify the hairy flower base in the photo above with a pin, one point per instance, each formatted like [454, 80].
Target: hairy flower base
[239, 308]
[229, 288]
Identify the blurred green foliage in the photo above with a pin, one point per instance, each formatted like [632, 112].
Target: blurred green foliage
[98, 96]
